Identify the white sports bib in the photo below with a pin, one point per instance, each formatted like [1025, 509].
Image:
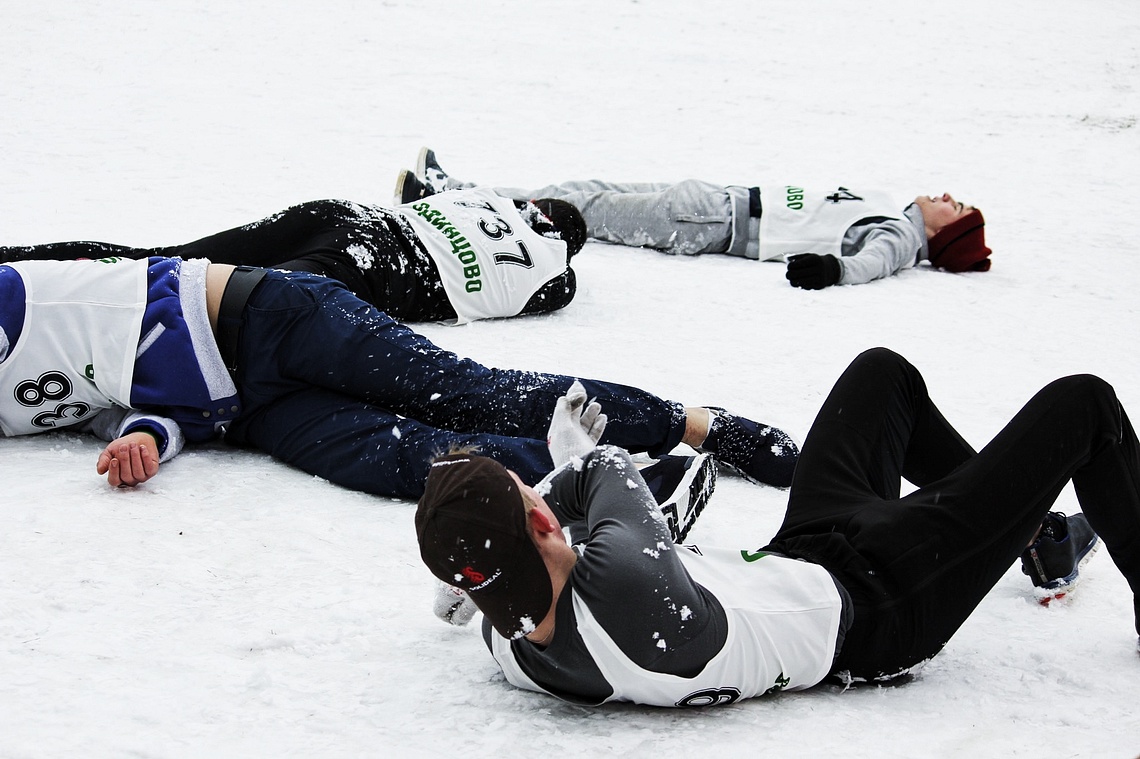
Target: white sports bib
[490, 261]
[797, 220]
[783, 616]
[76, 353]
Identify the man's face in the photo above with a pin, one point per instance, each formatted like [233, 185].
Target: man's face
[938, 211]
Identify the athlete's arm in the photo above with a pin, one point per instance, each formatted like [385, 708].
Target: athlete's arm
[555, 294]
[116, 422]
[879, 249]
[629, 573]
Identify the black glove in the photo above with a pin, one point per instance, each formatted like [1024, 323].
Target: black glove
[812, 271]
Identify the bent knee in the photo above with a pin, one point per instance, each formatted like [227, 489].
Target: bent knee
[881, 357]
[1084, 385]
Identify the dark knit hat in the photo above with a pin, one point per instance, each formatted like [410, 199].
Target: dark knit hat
[961, 244]
[472, 530]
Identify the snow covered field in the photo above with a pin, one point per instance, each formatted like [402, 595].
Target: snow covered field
[235, 607]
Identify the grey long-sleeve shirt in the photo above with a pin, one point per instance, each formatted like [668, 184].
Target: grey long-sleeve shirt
[877, 248]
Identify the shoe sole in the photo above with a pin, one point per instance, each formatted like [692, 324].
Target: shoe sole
[1061, 589]
[401, 180]
[425, 155]
[695, 489]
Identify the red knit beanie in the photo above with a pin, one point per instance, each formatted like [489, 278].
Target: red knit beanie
[961, 245]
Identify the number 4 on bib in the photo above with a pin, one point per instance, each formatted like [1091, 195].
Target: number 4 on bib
[842, 194]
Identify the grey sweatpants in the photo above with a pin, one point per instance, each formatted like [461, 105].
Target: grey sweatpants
[686, 218]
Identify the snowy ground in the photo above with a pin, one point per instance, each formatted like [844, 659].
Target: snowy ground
[235, 607]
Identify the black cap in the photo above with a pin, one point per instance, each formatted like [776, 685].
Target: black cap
[472, 530]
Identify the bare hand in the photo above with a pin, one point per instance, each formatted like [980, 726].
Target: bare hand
[130, 460]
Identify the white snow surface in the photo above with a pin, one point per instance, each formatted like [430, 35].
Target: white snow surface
[236, 607]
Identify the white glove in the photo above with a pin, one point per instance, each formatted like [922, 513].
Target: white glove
[575, 427]
[453, 605]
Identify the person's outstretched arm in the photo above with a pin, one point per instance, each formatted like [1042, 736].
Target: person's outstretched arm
[138, 443]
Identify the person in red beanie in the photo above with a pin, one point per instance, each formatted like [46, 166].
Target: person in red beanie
[827, 236]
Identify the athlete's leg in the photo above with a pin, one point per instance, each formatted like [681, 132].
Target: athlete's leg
[302, 332]
[318, 225]
[364, 447]
[688, 217]
[877, 426]
[287, 235]
[70, 251]
[578, 189]
[943, 547]
[361, 246]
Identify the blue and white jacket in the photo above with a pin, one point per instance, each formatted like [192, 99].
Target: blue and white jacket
[111, 346]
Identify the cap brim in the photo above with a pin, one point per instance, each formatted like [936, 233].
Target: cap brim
[516, 604]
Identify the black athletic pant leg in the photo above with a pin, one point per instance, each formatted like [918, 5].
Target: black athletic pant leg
[877, 425]
[284, 236]
[364, 247]
[930, 557]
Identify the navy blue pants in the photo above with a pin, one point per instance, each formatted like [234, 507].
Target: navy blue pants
[339, 389]
[917, 566]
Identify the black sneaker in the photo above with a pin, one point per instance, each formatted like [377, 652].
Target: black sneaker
[756, 451]
[408, 188]
[1054, 561]
[681, 485]
[430, 173]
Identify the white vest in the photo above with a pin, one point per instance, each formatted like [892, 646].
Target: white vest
[783, 616]
[76, 353]
[797, 220]
[490, 261]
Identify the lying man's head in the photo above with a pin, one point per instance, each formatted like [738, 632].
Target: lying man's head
[474, 528]
[955, 234]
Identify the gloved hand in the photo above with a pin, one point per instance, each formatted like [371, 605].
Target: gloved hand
[575, 427]
[453, 605]
[812, 271]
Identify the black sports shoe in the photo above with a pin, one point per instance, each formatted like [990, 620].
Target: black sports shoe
[1055, 559]
[408, 188]
[430, 173]
[756, 451]
[681, 485]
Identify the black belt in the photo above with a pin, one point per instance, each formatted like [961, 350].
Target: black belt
[755, 207]
[230, 311]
